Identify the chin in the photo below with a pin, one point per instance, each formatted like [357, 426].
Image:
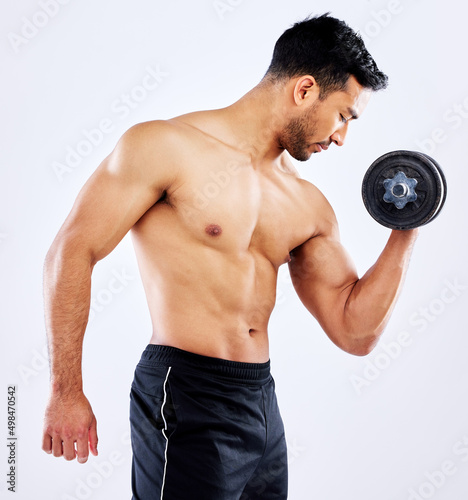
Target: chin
[302, 155]
[300, 152]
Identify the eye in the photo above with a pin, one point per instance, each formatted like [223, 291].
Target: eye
[343, 119]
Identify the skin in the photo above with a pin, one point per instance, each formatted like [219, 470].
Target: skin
[215, 207]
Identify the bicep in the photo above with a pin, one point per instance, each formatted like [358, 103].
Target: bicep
[323, 276]
[126, 184]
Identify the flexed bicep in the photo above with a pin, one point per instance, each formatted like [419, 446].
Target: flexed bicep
[323, 275]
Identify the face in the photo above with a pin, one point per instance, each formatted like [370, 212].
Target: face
[323, 122]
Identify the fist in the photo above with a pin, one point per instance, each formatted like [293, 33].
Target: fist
[70, 428]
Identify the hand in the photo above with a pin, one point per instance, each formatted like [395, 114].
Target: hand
[68, 420]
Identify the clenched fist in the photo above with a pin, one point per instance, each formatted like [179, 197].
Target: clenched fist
[69, 419]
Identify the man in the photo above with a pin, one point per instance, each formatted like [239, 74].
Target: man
[215, 208]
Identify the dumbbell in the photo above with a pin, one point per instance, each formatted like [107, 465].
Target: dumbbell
[404, 189]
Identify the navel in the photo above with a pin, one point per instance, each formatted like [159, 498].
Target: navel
[213, 230]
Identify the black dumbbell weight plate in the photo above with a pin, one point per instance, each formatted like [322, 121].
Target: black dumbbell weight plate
[404, 189]
[444, 186]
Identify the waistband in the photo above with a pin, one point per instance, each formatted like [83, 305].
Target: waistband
[157, 355]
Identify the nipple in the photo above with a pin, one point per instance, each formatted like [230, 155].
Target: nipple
[213, 230]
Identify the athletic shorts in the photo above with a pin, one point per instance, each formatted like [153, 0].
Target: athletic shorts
[205, 428]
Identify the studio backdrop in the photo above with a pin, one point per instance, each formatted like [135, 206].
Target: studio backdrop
[76, 75]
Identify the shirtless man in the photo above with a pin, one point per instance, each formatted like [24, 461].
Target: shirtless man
[215, 207]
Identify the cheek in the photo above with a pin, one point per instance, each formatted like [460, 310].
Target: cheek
[326, 126]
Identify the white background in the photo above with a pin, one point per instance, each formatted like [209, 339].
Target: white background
[357, 428]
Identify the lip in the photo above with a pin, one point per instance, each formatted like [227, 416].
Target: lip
[321, 147]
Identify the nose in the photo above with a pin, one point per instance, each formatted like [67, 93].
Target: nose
[339, 136]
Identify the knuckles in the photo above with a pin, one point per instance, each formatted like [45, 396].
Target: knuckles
[81, 433]
[67, 433]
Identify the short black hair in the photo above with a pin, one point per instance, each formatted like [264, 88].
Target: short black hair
[330, 51]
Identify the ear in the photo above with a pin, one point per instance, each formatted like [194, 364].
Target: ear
[305, 90]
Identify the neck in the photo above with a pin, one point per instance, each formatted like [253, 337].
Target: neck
[256, 120]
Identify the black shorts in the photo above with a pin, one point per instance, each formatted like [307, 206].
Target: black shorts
[205, 428]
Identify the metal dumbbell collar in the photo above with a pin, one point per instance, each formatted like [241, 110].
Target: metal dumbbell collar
[400, 190]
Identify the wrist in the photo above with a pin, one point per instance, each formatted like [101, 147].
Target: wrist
[66, 388]
[406, 234]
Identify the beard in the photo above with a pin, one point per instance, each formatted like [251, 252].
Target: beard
[294, 138]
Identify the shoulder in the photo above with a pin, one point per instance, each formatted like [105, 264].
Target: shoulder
[150, 135]
[147, 152]
[168, 141]
[312, 193]
[313, 204]
[315, 199]
[170, 135]
[323, 213]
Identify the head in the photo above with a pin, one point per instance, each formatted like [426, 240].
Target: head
[328, 76]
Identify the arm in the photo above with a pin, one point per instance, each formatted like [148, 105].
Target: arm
[352, 311]
[127, 183]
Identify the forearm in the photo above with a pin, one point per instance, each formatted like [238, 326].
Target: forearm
[67, 289]
[373, 297]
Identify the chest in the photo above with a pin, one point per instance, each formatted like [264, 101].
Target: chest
[235, 208]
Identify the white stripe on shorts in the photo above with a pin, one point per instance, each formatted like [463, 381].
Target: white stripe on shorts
[164, 432]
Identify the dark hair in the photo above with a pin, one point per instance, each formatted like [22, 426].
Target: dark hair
[330, 51]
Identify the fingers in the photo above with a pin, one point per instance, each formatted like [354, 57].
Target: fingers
[82, 443]
[57, 449]
[93, 437]
[82, 450]
[68, 447]
[67, 423]
[47, 443]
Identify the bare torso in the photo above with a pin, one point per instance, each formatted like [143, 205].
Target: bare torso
[215, 207]
[209, 250]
